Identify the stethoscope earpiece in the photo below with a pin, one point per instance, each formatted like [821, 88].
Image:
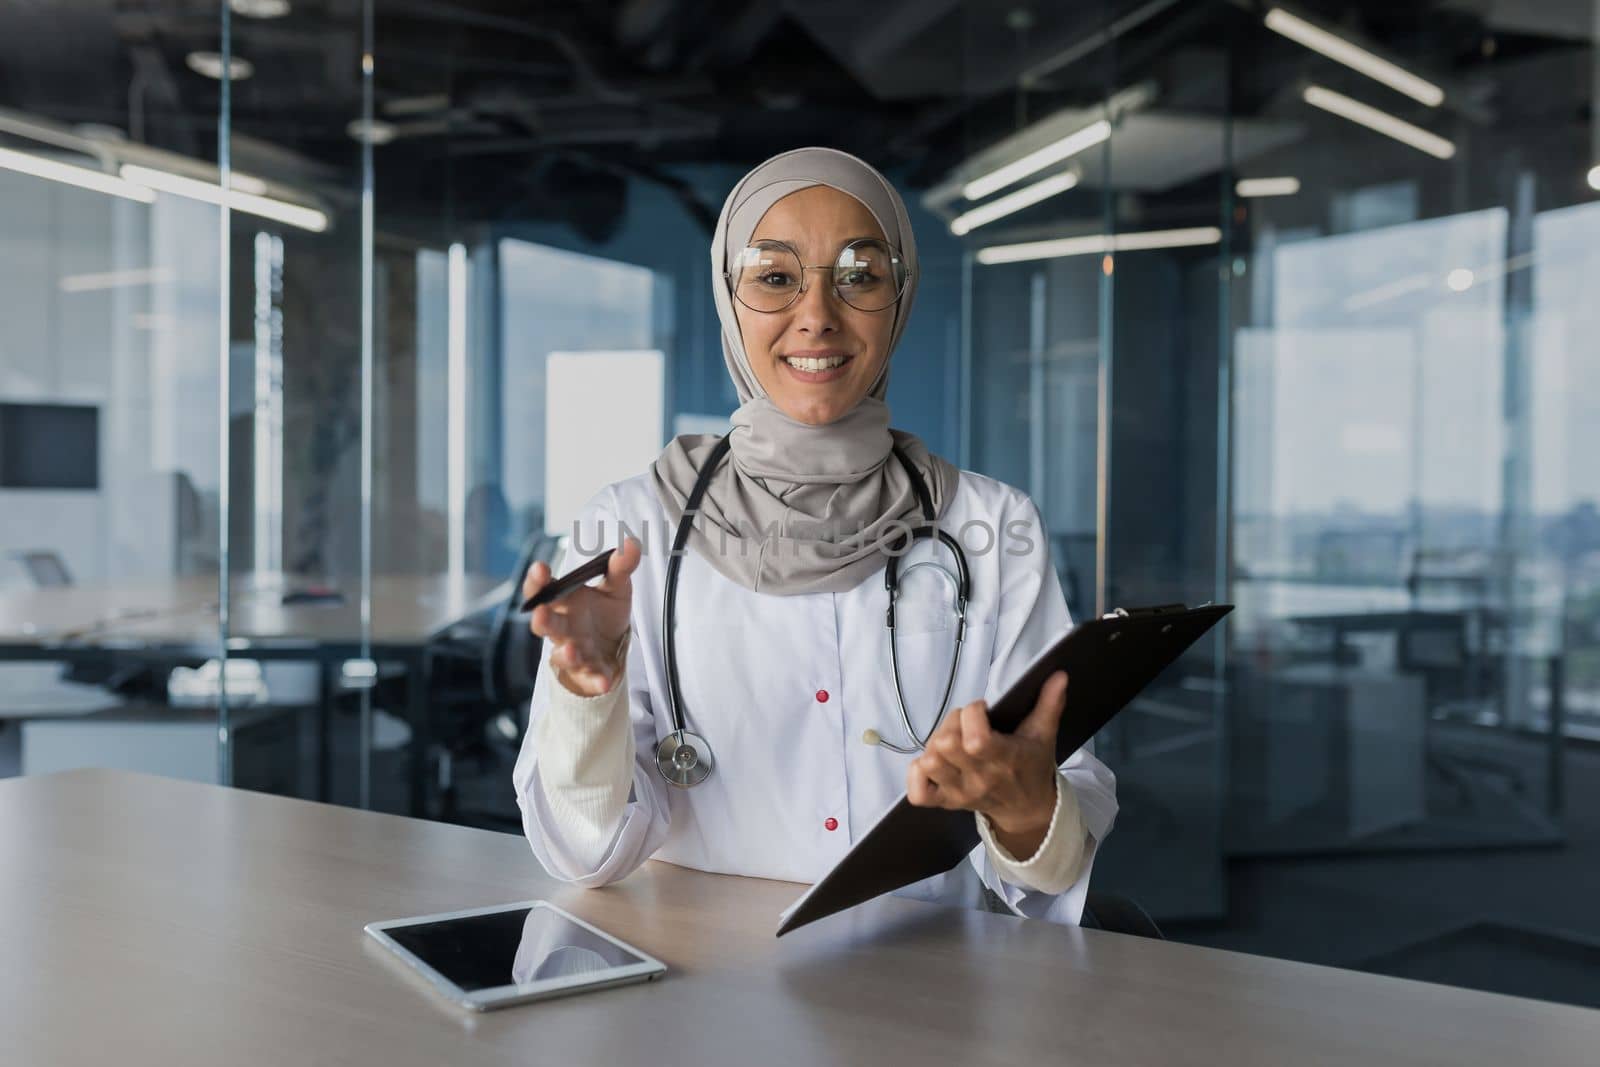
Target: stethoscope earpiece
[873, 737]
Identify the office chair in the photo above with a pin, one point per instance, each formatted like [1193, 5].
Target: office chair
[1118, 914]
[480, 680]
[44, 568]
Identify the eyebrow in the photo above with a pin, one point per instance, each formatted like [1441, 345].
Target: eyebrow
[847, 241]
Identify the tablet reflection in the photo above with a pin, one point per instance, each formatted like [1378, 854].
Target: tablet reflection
[546, 951]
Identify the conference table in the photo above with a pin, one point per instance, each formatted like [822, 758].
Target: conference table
[149, 921]
[177, 621]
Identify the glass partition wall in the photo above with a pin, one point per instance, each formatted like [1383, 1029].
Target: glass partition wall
[1409, 550]
[1320, 265]
[112, 485]
[301, 380]
[1094, 364]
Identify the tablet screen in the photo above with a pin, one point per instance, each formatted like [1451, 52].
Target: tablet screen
[515, 946]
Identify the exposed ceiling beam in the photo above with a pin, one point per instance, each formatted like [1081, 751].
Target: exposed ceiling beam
[898, 25]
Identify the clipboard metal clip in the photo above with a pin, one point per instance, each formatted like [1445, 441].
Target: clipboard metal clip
[1158, 609]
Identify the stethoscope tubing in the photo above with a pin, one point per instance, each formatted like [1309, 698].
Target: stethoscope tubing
[683, 757]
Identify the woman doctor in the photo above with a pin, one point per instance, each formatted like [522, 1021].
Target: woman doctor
[783, 656]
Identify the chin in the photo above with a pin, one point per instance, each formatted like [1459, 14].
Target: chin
[814, 414]
[816, 411]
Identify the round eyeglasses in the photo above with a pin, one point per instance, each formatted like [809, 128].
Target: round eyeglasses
[768, 275]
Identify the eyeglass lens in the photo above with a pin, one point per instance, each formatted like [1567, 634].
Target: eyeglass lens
[867, 275]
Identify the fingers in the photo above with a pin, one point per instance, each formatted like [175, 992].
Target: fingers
[946, 777]
[1043, 722]
[949, 742]
[935, 782]
[546, 622]
[919, 790]
[537, 578]
[572, 665]
[977, 737]
[624, 561]
[575, 648]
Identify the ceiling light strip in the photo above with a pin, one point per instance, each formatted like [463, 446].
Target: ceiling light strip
[1093, 244]
[67, 174]
[250, 203]
[1249, 188]
[1379, 121]
[1354, 56]
[1037, 160]
[1013, 202]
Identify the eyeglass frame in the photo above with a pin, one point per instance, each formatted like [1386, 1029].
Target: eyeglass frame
[894, 253]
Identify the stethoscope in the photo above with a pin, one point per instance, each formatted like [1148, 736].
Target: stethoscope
[683, 757]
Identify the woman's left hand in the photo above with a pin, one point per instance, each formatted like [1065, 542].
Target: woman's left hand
[1009, 778]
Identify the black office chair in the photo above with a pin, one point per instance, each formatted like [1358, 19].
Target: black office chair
[480, 680]
[1118, 914]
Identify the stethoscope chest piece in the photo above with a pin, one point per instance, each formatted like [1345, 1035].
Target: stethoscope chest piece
[684, 758]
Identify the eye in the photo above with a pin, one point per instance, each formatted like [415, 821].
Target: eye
[774, 278]
[857, 278]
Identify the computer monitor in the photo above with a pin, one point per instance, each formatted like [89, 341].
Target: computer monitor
[49, 446]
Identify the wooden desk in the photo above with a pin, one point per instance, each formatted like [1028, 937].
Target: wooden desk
[155, 922]
[177, 621]
[406, 610]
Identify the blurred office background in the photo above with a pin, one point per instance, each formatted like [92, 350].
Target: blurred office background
[1291, 306]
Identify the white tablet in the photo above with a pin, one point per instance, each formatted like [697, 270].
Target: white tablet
[511, 953]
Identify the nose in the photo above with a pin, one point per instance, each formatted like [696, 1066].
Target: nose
[816, 311]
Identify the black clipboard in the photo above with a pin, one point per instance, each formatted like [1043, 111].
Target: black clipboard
[1108, 661]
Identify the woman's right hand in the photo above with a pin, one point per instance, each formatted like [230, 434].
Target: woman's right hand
[585, 628]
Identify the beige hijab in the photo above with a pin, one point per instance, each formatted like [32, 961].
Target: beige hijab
[834, 493]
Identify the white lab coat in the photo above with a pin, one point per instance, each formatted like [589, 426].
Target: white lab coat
[783, 687]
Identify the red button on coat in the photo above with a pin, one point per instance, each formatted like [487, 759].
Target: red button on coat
[822, 698]
[832, 823]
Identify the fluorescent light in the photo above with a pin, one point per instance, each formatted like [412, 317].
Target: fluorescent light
[1253, 187]
[209, 65]
[260, 9]
[1138, 242]
[1035, 161]
[114, 279]
[1380, 121]
[1353, 56]
[250, 203]
[1594, 177]
[1065, 246]
[456, 411]
[1012, 202]
[66, 173]
[1093, 244]
[306, 218]
[376, 131]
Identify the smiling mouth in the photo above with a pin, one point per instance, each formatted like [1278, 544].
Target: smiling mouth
[814, 365]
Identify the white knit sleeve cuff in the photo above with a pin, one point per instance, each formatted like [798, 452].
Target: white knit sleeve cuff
[1055, 866]
[585, 751]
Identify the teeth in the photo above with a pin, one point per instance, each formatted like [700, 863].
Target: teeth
[814, 365]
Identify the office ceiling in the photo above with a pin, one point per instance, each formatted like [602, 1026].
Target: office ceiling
[509, 109]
